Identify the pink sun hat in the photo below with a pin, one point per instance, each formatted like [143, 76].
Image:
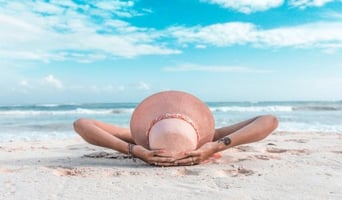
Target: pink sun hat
[172, 120]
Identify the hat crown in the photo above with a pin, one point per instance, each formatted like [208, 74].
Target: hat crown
[176, 136]
[174, 102]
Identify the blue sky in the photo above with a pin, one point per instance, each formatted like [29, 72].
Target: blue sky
[121, 51]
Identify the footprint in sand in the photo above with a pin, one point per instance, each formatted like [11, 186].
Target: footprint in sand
[275, 150]
[291, 151]
[299, 151]
[185, 171]
[80, 147]
[103, 154]
[68, 171]
[242, 159]
[262, 157]
[125, 173]
[266, 157]
[245, 148]
[88, 171]
[246, 172]
[297, 140]
[238, 171]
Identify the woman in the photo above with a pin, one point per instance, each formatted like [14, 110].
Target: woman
[173, 128]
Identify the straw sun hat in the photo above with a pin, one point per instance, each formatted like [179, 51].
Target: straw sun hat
[172, 120]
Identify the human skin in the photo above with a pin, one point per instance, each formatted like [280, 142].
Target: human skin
[118, 138]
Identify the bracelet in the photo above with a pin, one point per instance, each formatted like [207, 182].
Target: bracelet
[130, 152]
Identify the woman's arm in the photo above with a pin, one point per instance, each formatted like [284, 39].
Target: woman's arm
[248, 131]
[117, 138]
[227, 130]
[104, 135]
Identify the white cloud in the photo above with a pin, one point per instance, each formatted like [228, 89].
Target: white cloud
[208, 68]
[332, 15]
[143, 86]
[331, 48]
[201, 46]
[48, 8]
[26, 55]
[309, 3]
[322, 35]
[65, 4]
[113, 5]
[58, 31]
[247, 6]
[217, 34]
[24, 83]
[52, 81]
[120, 8]
[24, 87]
[305, 36]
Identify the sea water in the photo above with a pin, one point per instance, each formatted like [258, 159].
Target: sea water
[53, 121]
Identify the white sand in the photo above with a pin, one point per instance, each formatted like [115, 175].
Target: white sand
[283, 166]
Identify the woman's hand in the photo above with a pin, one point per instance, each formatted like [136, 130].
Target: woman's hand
[157, 157]
[199, 155]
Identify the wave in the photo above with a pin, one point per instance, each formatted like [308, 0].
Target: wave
[317, 108]
[66, 112]
[54, 109]
[309, 127]
[274, 108]
[26, 106]
[47, 105]
[251, 109]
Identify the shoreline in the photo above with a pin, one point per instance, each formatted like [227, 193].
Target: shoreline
[285, 165]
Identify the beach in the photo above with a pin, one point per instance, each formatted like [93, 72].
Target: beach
[286, 165]
[259, 66]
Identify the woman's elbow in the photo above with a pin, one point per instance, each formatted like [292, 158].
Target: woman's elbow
[271, 122]
[80, 123]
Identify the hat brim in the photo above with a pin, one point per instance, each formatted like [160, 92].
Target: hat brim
[172, 102]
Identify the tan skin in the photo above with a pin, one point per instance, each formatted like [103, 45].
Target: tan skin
[118, 138]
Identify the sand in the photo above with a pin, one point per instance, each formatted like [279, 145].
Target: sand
[284, 166]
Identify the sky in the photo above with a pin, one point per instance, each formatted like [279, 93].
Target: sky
[78, 51]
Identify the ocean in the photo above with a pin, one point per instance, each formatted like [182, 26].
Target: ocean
[54, 121]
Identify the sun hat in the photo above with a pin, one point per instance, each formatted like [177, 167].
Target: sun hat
[172, 120]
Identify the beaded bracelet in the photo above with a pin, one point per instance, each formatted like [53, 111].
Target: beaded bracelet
[130, 152]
